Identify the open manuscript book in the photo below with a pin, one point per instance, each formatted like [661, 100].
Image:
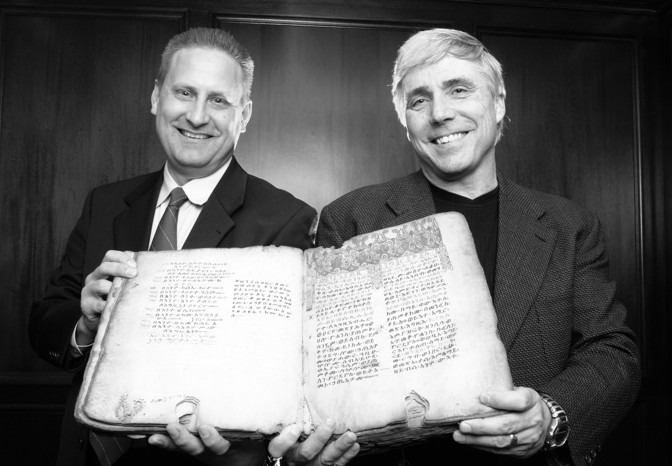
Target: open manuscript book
[393, 335]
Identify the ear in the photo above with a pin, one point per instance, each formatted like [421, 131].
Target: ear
[155, 97]
[246, 115]
[500, 105]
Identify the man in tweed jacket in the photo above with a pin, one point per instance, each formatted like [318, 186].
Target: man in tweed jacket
[544, 259]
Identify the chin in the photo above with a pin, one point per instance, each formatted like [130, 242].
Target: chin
[450, 167]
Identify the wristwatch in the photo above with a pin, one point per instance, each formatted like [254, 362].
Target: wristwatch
[558, 430]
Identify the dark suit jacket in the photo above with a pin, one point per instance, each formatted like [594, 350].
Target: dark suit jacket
[558, 318]
[242, 211]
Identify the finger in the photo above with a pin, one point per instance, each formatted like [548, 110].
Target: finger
[184, 440]
[348, 455]
[285, 440]
[119, 256]
[502, 424]
[518, 399]
[490, 441]
[93, 300]
[339, 451]
[162, 441]
[526, 442]
[115, 264]
[212, 440]
[313, 445]
[96, 289]
[92, 307]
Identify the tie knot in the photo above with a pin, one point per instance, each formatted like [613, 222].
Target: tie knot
[177, 197]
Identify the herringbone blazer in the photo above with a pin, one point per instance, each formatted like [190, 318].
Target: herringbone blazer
[559, 320]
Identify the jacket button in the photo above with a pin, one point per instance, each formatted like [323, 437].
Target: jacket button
[588, 459]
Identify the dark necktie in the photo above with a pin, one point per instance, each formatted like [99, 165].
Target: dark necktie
[108, 448]
[165, 237]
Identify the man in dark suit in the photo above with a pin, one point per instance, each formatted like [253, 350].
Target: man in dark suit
[573, 360]
[202, 104]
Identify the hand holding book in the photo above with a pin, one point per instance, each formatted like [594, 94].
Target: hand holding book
[393, 336]
[214, 450]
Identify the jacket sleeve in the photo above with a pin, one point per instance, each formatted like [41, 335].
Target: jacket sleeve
[328, 232]
[53, 318]
[299, 230]
[601, 377]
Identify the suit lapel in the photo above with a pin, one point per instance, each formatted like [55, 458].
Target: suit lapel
[133, 226]
[215, 219]
[524, 247]
[412, 200]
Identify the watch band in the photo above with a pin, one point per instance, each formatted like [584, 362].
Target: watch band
[558, 430]
[274, 461]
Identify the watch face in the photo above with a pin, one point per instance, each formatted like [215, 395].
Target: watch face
[559, 434]
[558, 430]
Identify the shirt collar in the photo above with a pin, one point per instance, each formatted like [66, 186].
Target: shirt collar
[198, 190]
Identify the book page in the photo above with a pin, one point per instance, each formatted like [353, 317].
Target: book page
[401, 328]
[204, 336]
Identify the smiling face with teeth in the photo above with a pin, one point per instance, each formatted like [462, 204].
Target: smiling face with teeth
[451, 120]
[200, 112]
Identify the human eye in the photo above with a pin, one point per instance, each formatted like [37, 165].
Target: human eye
[219, 102]
[460, 91]
[183, 94]
[417, 103]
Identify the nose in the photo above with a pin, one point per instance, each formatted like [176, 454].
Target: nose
[443, 109]
[198, 113]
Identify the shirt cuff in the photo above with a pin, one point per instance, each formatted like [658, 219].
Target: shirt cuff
[76, 349]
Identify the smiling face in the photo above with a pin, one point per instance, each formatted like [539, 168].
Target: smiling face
[200, 112]
[451, 121]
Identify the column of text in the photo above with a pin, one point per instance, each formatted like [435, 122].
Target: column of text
[418, 312]
[346, 350]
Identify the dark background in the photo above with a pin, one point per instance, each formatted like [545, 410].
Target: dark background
[589, 118]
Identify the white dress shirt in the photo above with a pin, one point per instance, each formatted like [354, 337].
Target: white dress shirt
[198, 191]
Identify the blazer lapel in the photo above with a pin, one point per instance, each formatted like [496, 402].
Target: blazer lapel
[524, 247]
[133, 226]
[215, 219]
[412, 200]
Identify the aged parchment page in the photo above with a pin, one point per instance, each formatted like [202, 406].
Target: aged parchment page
[208, 335]
[401, 328]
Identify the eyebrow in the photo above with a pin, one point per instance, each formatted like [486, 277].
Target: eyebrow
[448, 83]
[459, 81]
[192, 89]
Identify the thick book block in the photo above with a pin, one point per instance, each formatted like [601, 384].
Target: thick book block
[393, 335]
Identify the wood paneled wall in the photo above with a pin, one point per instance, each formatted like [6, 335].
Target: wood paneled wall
[588, 118]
